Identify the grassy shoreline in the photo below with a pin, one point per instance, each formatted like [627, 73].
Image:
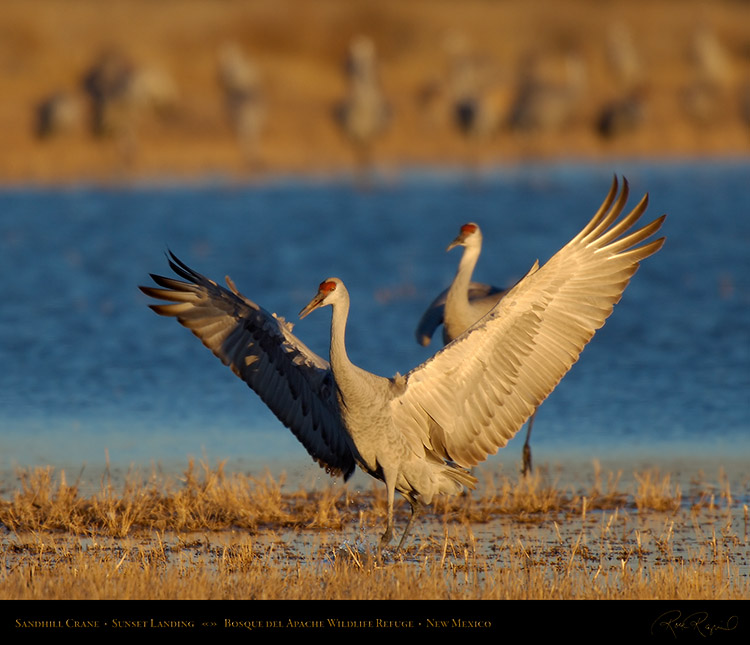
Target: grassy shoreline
[218, 535]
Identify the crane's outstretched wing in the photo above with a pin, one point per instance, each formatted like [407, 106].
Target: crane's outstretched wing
[433, 315]
[294, 382]
[475, 394]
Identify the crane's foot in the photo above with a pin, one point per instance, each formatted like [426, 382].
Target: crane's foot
[385, 539]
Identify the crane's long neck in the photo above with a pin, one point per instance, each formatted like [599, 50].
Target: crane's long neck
[349, 377]
[339, 358]
[358, 393]
[458, 314]
[459, 289]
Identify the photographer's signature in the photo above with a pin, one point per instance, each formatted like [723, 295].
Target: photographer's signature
[697, 622]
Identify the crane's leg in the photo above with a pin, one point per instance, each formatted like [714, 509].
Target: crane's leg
[416, 508]
[526, 468]
[390, 485]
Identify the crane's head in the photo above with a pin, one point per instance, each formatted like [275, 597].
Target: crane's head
[469, 235]
[328, 292]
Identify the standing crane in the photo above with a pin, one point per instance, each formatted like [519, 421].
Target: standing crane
[477, 103]
[706, 97]
[420, 433]
[365, 113]
[120, 92]
[241, 85]
[546, 100]
[463, 303]
[627, 109]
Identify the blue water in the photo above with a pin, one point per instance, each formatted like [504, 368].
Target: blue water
[89, 372]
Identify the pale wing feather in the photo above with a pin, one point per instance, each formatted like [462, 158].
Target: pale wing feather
[477, 392]
[295, 383]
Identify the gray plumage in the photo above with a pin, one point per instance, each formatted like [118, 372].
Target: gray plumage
[120, 93]
[626, 110]
[244, 101]
[419, 433]
[622, 115]
[364, 115]
[108, 84]
[707, 97]
[545, 103]
[433, 316]
[58, 113]
[464, 301]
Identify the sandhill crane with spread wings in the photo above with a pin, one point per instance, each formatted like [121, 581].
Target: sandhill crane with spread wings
[420, 432]
[463, 303]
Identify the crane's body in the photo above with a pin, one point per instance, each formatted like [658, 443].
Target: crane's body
[420, 433]
[369, 406]
[364, 115]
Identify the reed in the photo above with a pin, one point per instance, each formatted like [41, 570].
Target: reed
[210, 534]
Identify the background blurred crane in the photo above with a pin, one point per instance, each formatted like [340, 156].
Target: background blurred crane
[625, 111]
[121, 92]
[548, 92]
[240, 82]
[364, 115]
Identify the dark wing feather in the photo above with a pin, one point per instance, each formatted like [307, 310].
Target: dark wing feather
[294, 382]
[433, 315]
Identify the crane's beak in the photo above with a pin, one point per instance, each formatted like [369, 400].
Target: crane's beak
[460, 239]
[316, 302]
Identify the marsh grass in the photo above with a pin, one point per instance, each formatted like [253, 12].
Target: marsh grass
[203, 499]
[210, 534]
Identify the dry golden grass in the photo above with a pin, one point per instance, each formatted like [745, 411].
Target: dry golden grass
[214, 500]
[215, 535]
[207, 500]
